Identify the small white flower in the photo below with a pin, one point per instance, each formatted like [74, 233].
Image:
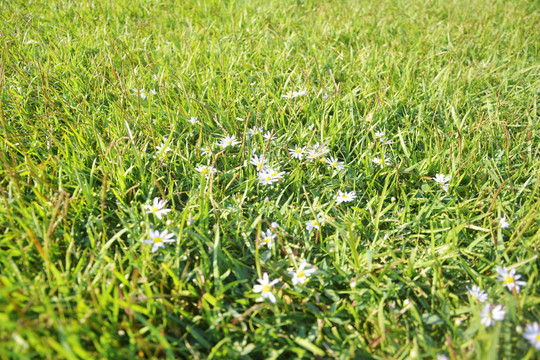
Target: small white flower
[491, 314]
[228, 141]
[265, 288]
[268, 136]
[155, 77]
[275, 225]
[297, 152]
[300, 276]
[265, 178]
[139, 92]
[157, 208]
[532, 334]
[161, 149]
[205, 170]
[344, 196]
[258, 161]
[379, 135]
[294, 94]
[400, 212]
[207, 150]
[442, 181]
[477, 293]
[315, 224]
[153, 92]
[193, 120]
[333, 163]
[503, 223]
[442, 357]
[255, 130]
[385, 141]
[190, 220]
[267, 238]
[276, 175]
[157, 239]
[510, 279]
[381, 161]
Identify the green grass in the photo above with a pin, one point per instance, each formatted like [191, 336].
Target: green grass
[453, 84]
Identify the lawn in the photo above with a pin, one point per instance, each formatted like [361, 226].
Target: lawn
[207, 179]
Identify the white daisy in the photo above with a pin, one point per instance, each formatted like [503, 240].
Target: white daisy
[158, 238]
[205, 170]
[161, 149]
[503, 223]
[265, 288]
[265, 178]
[477, 293]
[228, 141]
[442, 181]
[333, 163]
[532, 334]
[157, 208]
[277, 175]
[379, 135]
[268, 136]
[297, 152]
[267, 238]
[300, 276]
[139, 92]
[258, 161]
[491, 314]
[344, 196]
[315, 224]
[207, 150]
[255, 130]
[153, 92]
[381, 161]
[193, 120]
[510, 279]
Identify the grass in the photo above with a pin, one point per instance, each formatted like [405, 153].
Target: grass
[453, 85]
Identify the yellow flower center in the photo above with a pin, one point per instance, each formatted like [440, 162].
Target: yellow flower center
[157, 240]
[334, 164]
[266, 288]
[381, 161]
[301, 274]
[268, 178]
[508, 279]
[204, 171]
[154, 209]
[315, 223]
[538, 337]
[267, 240]
[298, 151]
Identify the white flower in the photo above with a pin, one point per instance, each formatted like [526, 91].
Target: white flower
[193, 120]
[442, 181]
[344, 196]
[228, 141]
[297, 152]
[275, 225]
[300, 276]
[265, 178]
[267, 238]
[293, 94]
[268, 136]
[381, 161]
[205, 170]
[385, 141]
[491, 314]
[161, 149]
[207, 150]
[265, 288]
[255, 130]
[504, 224]
[333, 163]
[157, 239]
[379, 135]
[153, 92]
[155, 77]
[400, 212]
[315, 224]
[442, 357]
[532, 333]
[278, 176]
[258, 161]
[139, 92]
[477, 293]
[510, 278]
[190, 220]
[157, 208]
